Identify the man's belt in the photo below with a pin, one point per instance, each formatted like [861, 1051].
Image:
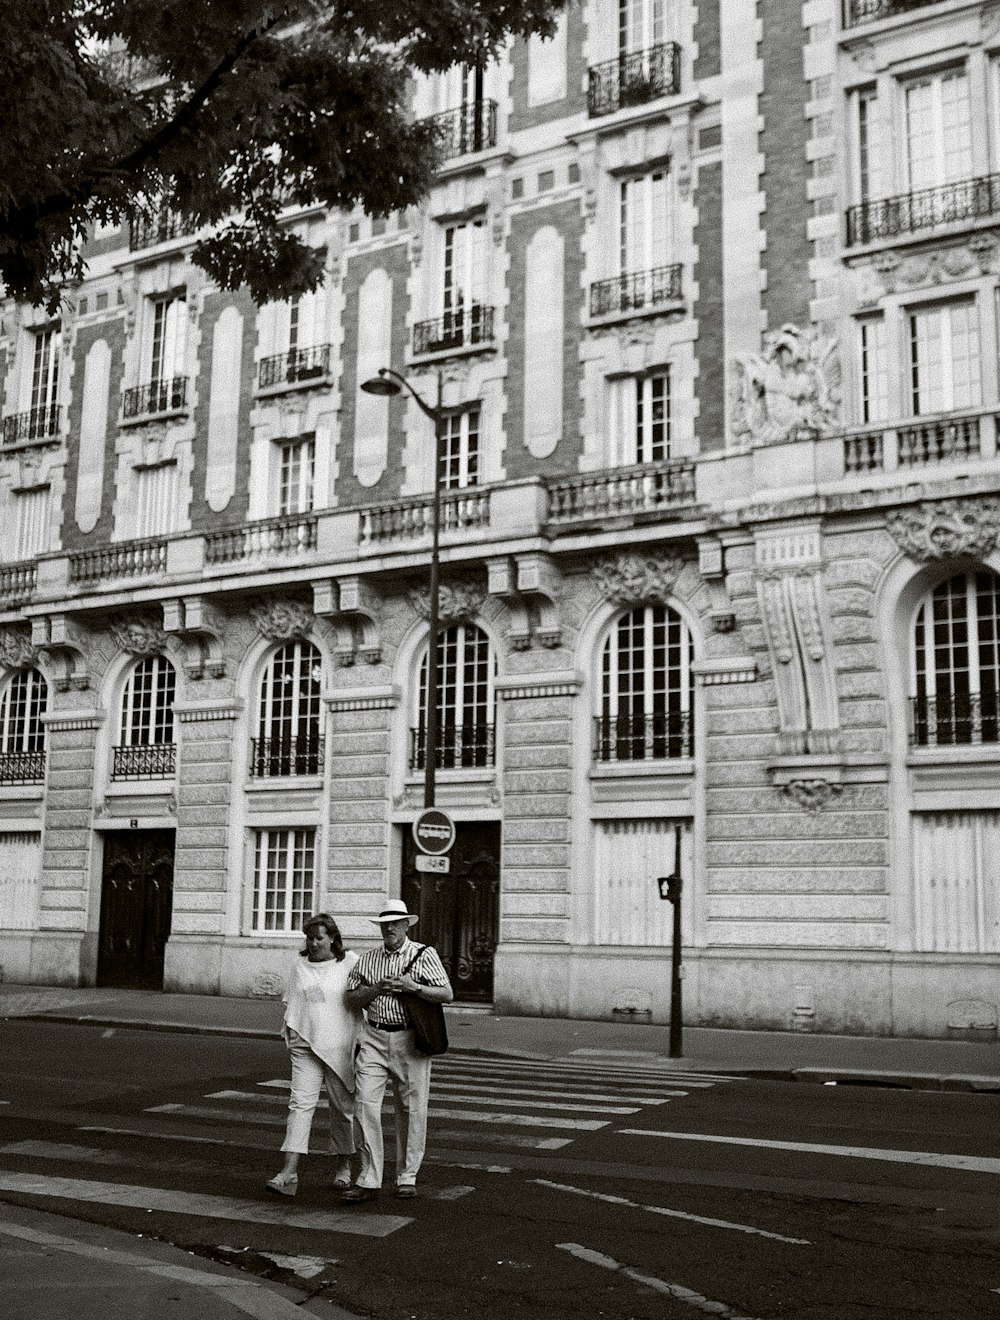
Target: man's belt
[386, 1026]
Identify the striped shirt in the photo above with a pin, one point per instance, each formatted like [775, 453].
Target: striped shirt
[378, 963]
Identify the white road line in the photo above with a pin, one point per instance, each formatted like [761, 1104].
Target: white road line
[673, 1214]
[552, 1071]
[973, 1163]
[61, 1150]
[574, 1092]
[202, 1206]
[522, 1120]
[451, 1098]
[515, 1141]
[676, 1290]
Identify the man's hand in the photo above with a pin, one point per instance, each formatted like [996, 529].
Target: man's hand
[397, 985]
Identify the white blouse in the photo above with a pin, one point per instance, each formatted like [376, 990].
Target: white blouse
[316, 1009]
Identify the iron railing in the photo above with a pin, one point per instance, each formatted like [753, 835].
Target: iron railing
[17, 584]
[153, 762]
[298, 366]
[459, 746]
[644, 737]
[636, 291]
[857, 12]
[159, 226]
[22, 767]
[955, 720]
[289, 535]
[410, 519]
[122, 559]
[156, 397]
[891, 217]
[635, 77]
[35, 424]
[609, 494]
[466, 328]
[282, 757]
[465, 129]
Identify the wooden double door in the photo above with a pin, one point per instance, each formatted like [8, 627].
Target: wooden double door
[460, 912]
[137, 889]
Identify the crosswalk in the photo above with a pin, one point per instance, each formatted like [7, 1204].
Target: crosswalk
[482, 1109]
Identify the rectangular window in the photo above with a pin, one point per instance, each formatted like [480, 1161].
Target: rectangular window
[32, 523]
[464, 267]
[284, 891]
[547, 66]
[45, 369]
[874, 370]
[156, 500]
[944, 358]
[641, 23]
[640, 419]
[870, 184]
[459, 453]
[938, 130]
[168, 336]
[297, 470]
[645, 232]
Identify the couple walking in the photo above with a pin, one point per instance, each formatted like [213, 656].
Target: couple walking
[328, 1046]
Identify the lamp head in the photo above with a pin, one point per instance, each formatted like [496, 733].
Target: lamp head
[381, 385]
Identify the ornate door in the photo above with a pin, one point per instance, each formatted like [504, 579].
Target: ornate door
[136, 901]
[460, 912]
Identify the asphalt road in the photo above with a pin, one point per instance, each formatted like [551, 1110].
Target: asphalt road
[593, 1186]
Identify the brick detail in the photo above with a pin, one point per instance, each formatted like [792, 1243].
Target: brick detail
[706, 34]
[710, 379]
[522, 115]
[113, 332]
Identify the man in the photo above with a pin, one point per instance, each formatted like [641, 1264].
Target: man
[386, 1050]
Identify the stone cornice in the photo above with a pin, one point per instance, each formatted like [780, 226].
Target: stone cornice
[373, 698]
[558, 683]
[62, 721]
[200, 712]
[725, 669]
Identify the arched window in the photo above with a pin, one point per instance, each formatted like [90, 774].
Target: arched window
[466, 702]
[146, 746]
[647, 688]
[22, 734]
[956, 663]
[288, 738]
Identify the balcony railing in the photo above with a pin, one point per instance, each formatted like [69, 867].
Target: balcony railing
[610, 494]
[857, 12]
[160, 226]
[157, 397]
[17, 584]
[459, 746]
[22, 767]
[299, 366]
[289, 535]
[35, 424]
[154, 762]
[644, 737]
[955, 721]
[634, 78]
[919, 442]
[891, 217]
[411, 519]
[122, 559]
[466, 129]
[283, 757]
[865, 452]
[469, 327]
[636, 291]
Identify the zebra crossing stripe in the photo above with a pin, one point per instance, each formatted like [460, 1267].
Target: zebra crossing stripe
[484, 1085]
[453, 1099]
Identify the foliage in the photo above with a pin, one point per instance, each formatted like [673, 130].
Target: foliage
[224, 112]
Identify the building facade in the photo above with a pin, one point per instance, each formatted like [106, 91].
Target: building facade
[710, 292]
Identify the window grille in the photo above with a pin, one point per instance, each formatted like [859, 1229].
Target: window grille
[466, 701]
[289, 741]
[956, 663]
[284, 890]
[147, 704]
[647, 688]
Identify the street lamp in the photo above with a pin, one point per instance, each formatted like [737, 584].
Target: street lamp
[387, 384]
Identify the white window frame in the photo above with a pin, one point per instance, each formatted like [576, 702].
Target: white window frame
[32, 522]
[289, 710]
[937, 634]
[165, 349]
[43, 378]
[147, 714]
[295, 465]
[157, 500]
[22, 704]
[653, 689]
[934, 387]
[461, 448]
[947, 162]
[641, 24]
[873, 369]
[645, 221]
[284, 879]
[463, 266]
[467, 684]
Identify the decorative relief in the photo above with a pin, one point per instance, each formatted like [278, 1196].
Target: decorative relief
[141, 636]
[637, 580]
[923, 269]
[458, 603]
[282, 621]
[16, 650]
[812, 794]
[788, 391]
[934, 530]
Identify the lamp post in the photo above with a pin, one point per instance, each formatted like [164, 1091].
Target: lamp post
[387, 384]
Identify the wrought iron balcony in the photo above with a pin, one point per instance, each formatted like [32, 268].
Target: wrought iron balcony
[637, 291]
[620, 491]
[35, 424]
[22, 767]
[282, 757]
[634, 78]
[466, 129]
[644, 737]
[459, 746]
[955, 720]
[158, 396]
[470, 327]
[857, 12]
[122, 559]
[909, 213]
[299, 366]
[410, 519]
[156, 761]
[17, 584]
[291, 534]
[159, 226]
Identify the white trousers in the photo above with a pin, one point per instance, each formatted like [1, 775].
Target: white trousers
[309, 1075]
[385, 1055]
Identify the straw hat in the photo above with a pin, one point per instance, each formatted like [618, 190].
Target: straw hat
[394, 910]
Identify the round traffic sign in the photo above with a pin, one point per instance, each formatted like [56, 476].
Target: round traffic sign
[434, 831]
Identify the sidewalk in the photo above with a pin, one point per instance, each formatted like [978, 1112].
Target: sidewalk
[930, 1064]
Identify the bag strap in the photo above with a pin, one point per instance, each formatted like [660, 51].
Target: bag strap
[419, 951]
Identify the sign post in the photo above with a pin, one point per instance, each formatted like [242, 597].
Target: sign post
[670, 889]
[434, 835]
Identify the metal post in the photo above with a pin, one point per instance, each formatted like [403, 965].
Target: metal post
[676, 1010]
[433, 629]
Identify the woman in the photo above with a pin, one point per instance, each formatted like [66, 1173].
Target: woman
[319, 1030]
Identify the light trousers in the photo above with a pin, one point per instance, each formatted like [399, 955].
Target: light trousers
[382, 1056]
[309, 1075]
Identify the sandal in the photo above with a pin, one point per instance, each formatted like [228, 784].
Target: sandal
[283, 1184]
[342, 1178]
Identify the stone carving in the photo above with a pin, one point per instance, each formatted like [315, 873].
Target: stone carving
[936, 529]
[16, 650]
[266, 985]
[141, 636]
[922, 269]
[282, 620]
[457, 603]
[788, 391]
[812, 794]
[637, 579]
